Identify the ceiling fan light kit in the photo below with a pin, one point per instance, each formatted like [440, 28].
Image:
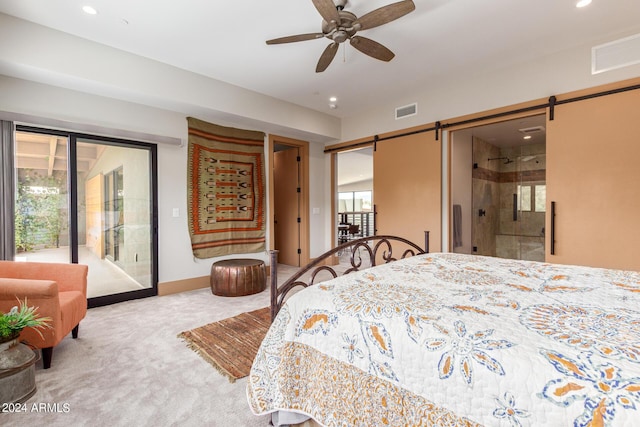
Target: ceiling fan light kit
[339, 25]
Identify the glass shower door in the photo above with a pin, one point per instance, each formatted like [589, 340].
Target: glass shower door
[509, 200]
[531, 194]
[521, 230]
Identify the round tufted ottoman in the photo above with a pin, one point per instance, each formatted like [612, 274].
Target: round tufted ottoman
[238, 277]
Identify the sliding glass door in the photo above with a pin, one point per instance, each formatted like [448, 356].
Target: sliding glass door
[89, 200]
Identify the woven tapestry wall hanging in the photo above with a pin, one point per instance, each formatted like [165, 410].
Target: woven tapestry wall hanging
[225, 190]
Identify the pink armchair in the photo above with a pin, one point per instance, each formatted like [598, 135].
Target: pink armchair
[58, 290]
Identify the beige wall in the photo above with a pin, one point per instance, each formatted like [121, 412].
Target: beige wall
[455, 95]
[41, 54]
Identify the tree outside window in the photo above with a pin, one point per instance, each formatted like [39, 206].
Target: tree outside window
[41, 213]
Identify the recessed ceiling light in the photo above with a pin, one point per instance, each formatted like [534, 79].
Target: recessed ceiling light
[333, 99]
[526, 137]
[583, 3]
[89, 10]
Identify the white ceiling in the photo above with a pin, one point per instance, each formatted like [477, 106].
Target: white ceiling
[225, 40]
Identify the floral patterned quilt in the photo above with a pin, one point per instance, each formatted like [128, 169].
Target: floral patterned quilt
[457, 340]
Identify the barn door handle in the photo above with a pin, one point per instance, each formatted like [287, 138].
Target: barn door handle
[553, 228]
[375, 219]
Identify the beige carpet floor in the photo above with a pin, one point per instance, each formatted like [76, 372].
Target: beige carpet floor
[129, 368]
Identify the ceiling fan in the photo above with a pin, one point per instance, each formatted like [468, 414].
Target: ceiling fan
[339, 25]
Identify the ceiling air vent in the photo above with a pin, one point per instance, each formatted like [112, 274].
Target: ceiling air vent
[406, 111]
[533, 129]
[616, 54]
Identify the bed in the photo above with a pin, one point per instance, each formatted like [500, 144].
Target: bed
[444, 339]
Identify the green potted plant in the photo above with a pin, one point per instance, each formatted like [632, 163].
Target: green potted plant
[17, 370]
[19, 317]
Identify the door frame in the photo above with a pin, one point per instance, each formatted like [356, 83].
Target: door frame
[512, 112]
[334, 150]
[303, 147]
[452, 170]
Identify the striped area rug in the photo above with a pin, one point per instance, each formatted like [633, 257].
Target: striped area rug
[230, 345]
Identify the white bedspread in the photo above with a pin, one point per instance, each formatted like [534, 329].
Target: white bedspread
[450, 339]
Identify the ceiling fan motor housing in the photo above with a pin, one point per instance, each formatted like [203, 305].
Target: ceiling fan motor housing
[344, 28]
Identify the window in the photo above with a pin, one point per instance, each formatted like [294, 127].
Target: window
[540, 198]
[354, 201]
[532, 198]
[345, 202]
[362, 201]
[524, 198]
[356, 207]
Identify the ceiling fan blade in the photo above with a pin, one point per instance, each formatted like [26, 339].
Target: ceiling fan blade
[371, 48]
[327, 10]
[326, 57]
[384, 14]
[296, 38]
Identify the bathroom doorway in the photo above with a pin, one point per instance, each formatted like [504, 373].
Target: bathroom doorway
[499, 189]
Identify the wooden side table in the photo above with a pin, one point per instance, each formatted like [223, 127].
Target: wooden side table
[238, 277]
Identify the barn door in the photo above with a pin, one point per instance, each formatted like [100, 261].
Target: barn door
[407, 174]
[593, 195]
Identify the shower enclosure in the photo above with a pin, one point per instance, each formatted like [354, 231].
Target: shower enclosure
[509, 200]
